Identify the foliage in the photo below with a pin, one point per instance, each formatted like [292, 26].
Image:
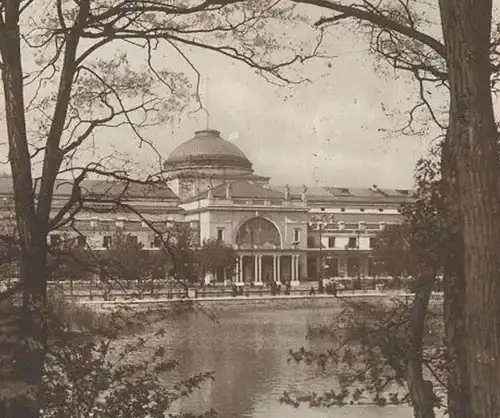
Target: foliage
[99, 371]
[367, 355]
[70, 69]
[369, 344]
[72, 316]
[178, 243]
[391, 251]
[126, 259]
[213, 255]
[68, 261]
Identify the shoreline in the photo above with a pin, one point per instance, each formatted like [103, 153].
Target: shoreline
[226, 301]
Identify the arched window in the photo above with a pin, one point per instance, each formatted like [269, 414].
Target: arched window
[258, 232]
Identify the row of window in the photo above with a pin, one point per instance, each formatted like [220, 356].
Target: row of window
[296, 235]
[360, 209]
[352, 243]
[55, 239]
[107, 240]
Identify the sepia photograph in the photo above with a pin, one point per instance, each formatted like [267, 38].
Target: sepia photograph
[249, 209]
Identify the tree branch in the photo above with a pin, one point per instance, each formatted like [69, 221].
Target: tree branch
[376, 19]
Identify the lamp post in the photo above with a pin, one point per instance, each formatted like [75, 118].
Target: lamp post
[321, 221]
[356, 248]
[358, 239]
[359, 255]
[320, 280]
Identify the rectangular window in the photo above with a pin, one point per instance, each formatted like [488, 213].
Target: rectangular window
[220, 234]
[157, 242]
[310, 242]
[134, 239]
[106, 241]
[353, 242]
[81, 240]
[296, 235]
[55, 239]
[331, 242]
[373, 242]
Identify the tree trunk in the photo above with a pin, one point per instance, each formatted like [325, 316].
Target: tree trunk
[474, 150]
[22, 345]
[421, 391]
[454, 292]
[22, 334]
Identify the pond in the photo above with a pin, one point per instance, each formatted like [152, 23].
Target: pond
[247, 349]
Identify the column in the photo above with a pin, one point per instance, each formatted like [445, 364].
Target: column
[295, 271]
[259, 270]
[364, 266]
[255, 269]
[275, 273]
[292, 266]
[345, 264]
[258, 273]
[278, 268]
[240, 269]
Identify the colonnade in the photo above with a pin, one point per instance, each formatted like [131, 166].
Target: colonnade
[278, 267]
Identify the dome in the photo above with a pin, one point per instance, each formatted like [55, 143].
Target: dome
[207, 150]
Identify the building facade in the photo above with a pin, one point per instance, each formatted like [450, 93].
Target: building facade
[280, 232]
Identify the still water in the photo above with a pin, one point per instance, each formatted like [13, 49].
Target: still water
[247, 349]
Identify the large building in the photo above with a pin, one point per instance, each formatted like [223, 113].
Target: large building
[280, 232]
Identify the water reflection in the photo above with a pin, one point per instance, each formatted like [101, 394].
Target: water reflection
[248, 351]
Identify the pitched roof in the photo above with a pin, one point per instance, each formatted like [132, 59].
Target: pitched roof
[330, 193]
[110, 188]
[240, 190]
[367, 217]
[231, 177]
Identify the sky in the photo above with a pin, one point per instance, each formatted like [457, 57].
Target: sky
[336, 130]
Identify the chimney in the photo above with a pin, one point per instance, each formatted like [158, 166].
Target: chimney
[210, 194]
[287, 192]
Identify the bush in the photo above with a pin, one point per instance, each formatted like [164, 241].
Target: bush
[95, 368]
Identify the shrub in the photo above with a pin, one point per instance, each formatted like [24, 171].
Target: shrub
[95, 368]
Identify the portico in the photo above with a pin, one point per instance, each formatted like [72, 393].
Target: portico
[260, 268]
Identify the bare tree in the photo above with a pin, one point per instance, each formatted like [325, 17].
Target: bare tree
[383, 352]
[453, 47]
[63, 80]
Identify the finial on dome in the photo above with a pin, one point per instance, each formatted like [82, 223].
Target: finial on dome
[209, 133]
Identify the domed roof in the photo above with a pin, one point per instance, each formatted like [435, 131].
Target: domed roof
[207, 148]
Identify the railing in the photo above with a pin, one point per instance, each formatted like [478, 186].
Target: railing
[200, 293]
[87, 291]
